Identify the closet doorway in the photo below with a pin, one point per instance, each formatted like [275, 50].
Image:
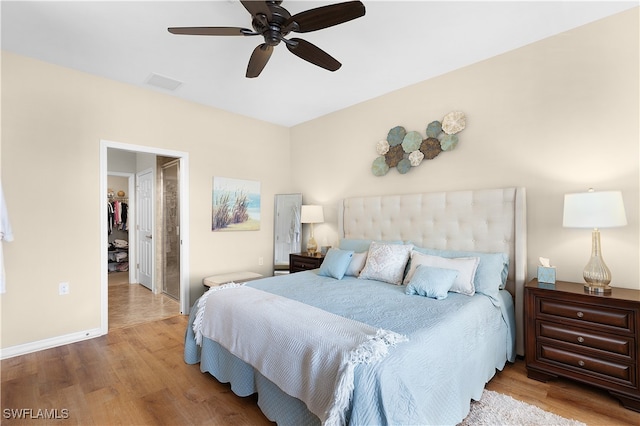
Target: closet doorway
[120, 191]
[171, 174]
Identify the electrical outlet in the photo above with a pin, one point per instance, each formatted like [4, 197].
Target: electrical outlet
[260, 261]
[63, 288]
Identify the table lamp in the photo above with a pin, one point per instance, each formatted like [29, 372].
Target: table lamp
[595, 210]
[311, 214]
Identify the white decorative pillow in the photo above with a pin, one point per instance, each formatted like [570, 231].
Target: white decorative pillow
[357, 263]
[386, 262]
[466, 267]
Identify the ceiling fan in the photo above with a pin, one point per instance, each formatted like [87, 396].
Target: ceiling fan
[274, 23]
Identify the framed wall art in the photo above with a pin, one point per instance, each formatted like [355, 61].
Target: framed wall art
[235, 205]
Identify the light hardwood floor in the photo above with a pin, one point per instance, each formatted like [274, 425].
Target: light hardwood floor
[131, 304]
[136, 375]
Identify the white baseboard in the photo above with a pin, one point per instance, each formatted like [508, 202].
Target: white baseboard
[53, 342]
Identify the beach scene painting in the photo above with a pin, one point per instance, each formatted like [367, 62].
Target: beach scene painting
[236, 205]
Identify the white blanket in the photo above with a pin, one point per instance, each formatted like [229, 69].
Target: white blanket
[309, 353]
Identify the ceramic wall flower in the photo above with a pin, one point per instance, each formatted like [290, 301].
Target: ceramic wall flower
[395, 154]
[379, 166]
[404, 166]
[430, 148]
[416, 158]
[411, 142]
[382, 147]
[396, 135]
[448, 142]
[454, 122]
[434, 129]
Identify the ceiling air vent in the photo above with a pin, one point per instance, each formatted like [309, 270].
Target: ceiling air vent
[163, 82]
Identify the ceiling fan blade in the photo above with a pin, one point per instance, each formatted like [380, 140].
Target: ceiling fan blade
[211, 31]
[257, 7]
[311, 53]
[325, 16]
[259, 59]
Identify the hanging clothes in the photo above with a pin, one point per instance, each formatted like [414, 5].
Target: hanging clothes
[5, 235]
[110, 217]
[123, 216]
[117, 216]
[116, 213]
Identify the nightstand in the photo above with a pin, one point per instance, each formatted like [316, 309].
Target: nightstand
[585, 337]
[304, 261]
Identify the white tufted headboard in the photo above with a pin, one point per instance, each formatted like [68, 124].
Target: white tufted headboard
[490, 220]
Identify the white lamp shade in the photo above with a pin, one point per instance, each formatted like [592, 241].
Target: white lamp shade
[311, 214]
[604, 209]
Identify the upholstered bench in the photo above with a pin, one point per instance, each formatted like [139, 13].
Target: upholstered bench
[236, 277]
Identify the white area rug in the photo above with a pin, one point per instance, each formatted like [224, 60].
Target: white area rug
[498, 409]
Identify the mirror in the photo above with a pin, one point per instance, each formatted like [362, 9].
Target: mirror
[287, 232]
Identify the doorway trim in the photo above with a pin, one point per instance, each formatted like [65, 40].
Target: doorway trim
[184, 224]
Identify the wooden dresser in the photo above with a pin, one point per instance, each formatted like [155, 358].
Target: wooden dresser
[590, 338]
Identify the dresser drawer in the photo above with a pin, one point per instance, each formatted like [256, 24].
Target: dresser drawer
[303, 263]
[618, 373]
[621, 319]
[618, 345]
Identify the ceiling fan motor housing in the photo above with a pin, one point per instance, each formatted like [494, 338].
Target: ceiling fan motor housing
[272, 29]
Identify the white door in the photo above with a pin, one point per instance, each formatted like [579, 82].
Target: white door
[145, 228]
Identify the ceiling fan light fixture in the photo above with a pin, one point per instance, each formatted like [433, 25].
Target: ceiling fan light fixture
[163, 82]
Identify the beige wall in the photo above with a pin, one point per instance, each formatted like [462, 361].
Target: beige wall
[557, 116]
[53, 120]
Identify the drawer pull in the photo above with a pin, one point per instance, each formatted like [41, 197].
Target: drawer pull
[580, 314]
[580, 339]
[581, 363]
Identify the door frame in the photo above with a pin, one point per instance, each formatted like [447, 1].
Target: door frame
[184, 224]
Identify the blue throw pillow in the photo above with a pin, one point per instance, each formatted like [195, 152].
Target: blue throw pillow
[335, 263]
[431, 282]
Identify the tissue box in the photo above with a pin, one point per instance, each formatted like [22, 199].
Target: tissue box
[547, 274]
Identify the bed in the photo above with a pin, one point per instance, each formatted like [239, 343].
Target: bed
[431, 356]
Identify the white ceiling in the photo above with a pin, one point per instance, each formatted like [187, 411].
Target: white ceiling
[396, 44]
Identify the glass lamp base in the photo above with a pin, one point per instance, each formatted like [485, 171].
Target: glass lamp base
[596, 273]
[312, 246]
[597, 289]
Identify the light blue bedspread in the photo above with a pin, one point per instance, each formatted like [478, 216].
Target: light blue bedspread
[455, 346]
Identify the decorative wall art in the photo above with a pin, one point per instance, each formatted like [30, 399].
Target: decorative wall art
[236, 205]
[404, 150]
